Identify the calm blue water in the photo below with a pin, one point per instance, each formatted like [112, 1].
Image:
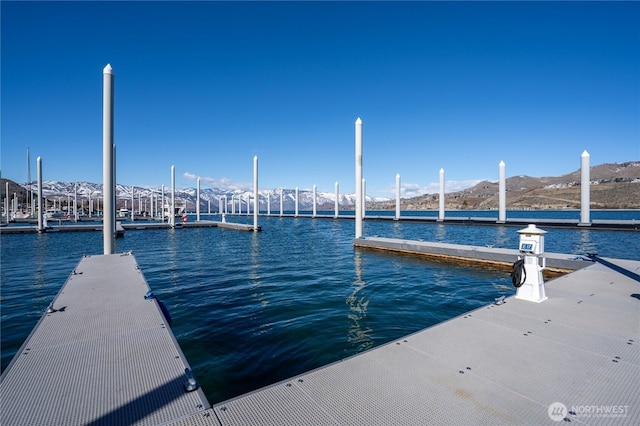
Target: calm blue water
[250, 309]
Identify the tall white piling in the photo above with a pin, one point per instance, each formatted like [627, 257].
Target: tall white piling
[256, 201]
[502, 193]
[108, 209]
[268, 203]
[585, 183]
[336, 207]
[172, 212]
[296, 211]
[209, 207]
[314, 201]
[6, 199]
[441, 197]
[358, 233]
[281, 200]
[40, 213]
[75, 202]
[397, 197]
[198, 200]
[133, 204]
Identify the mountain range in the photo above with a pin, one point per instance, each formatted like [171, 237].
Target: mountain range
[613, 186]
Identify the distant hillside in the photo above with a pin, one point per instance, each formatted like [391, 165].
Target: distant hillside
[613, 186]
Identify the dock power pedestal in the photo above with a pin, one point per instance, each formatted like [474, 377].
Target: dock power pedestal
[527, 273]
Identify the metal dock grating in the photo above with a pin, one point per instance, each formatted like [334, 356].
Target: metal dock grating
[105, 356]
[500, 364]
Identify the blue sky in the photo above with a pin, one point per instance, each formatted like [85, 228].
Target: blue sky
[205, 86]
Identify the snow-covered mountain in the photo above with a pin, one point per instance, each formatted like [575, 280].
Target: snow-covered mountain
[55, 189]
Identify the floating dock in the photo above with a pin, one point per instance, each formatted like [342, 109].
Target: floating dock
[499, 258]
[572, 358]
[72, 227]
[102, 354]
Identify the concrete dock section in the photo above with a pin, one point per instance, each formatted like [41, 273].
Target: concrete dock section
[102, 354]
[573, 358]
[490, 256]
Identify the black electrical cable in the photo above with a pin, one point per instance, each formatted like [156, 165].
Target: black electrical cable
[518, 273]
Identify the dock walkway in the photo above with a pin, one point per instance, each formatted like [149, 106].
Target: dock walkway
[102, 354]
[574, 357]
[496, 257]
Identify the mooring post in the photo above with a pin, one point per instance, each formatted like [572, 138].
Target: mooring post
[358, 178]
[296, 215]
[337, 203]
[397, 197]
[40, 214]
[256, 201]
[108, 210]
[502, 193]
[198, 200]
[314, 201]
[172, 213]
[441, 197]
[585, 183]
[281, 200]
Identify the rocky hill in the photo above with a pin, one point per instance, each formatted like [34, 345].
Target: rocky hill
[613, 186]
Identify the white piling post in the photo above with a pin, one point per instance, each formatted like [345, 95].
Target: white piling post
[358, 178]
[585, 183]
[209, 207]
[108, 210]
[198, 200]
[162, 214]
[314, 201]
[441, 198]
[6, 200]
[398, 196]
[296, 215]
[281, 200]
[75, 202]
[256, 201]
[337, 202]
[133, 204]
[172, 213]
[40, 214]
[502, 193]
[268, 203]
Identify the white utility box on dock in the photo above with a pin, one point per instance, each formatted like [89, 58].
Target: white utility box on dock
[532, 247]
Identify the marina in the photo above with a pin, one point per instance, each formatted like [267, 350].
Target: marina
[425, 338]
[502, 364]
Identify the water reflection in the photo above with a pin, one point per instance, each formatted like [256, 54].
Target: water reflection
[440, 233]
[502, 237]
[359, 333]
[583, 244]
